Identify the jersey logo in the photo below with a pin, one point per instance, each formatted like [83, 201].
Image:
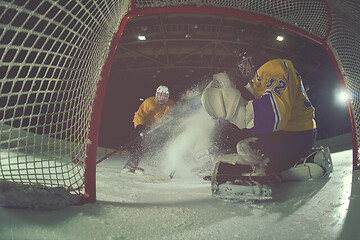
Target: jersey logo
[277, 86]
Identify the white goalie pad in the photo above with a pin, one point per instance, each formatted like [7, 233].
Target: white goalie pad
[221, 80]
[212, 100]
[229, 159]
[317, 164]
[252, 156]
[237, 182]
[244, 116]
[303, 172]
[322, 158]
[244, 191]
[232, 158]
[247, 161]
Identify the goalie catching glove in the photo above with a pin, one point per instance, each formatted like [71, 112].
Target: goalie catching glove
[222, 100]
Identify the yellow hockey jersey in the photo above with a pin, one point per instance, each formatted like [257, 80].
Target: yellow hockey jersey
[150, 111]
[280, 101]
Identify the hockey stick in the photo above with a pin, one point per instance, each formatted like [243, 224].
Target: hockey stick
[132, 142]
[78, 161]
[119, 149]
[154, 178]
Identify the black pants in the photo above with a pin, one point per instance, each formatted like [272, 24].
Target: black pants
[285, 148]
[150, 144]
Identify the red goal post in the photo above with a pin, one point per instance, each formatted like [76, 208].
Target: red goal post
[56, 57]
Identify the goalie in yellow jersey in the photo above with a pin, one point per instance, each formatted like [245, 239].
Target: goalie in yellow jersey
[277, 120]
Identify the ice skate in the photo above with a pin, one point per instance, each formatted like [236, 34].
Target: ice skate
[207, 178]
[136, 171]
[132, 167]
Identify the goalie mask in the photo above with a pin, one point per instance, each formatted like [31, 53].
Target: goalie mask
[250, 60]
[162, 94]
[246, 66]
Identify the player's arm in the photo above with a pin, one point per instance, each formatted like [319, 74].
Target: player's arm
[140, 114]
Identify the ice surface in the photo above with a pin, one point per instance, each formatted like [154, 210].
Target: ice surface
[129, 208]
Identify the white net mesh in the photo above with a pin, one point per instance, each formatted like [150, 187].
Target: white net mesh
[52, 54]
[344, 41]
[308, 15]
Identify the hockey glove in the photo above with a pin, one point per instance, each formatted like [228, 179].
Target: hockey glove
[228, 104]
[141, 130]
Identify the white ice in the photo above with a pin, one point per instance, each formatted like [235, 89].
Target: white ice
[127, 207]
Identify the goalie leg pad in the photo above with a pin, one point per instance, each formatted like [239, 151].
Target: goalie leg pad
[316, 164]
[323, 158]
[234, 165]
[233, 180]
[246, 190]
[303, 172]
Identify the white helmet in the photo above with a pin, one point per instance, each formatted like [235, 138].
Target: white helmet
[162, 94]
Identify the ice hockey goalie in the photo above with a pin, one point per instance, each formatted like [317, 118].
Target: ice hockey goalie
[280, 121]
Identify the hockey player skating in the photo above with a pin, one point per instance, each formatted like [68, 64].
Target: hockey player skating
[149, 114]
[278, 122]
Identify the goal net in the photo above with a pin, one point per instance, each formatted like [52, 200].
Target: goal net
[52, 55]
[55, 58]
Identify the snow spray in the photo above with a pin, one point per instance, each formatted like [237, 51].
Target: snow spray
[187, 152]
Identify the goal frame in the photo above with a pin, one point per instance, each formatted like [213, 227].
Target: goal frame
[135, 12]
[58, 30]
